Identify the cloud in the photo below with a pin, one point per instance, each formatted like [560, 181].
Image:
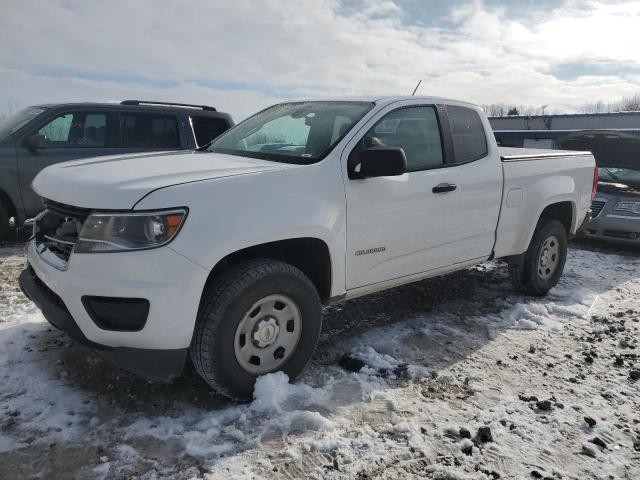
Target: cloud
[594, 68]
[242, 55]
[23, 88]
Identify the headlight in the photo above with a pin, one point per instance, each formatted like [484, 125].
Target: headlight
[628, 207]
[119, 232]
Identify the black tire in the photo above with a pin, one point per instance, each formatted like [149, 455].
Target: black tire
[4, 221]
[526, 272]
[225, 303]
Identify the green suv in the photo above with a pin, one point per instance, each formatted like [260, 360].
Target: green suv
[41, 135]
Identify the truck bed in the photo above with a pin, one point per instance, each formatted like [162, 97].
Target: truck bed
[512, 154]
[531, 182]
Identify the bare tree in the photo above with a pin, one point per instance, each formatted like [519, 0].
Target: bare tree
[596, 107]
[626, 104]
[527, 110]
[501, 109]
[9, 109]
[494, 110]
[630, 103]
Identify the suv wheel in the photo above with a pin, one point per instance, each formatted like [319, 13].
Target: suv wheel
[258, 317]
[538, 270]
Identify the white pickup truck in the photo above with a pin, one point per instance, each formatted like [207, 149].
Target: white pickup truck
[227, 253]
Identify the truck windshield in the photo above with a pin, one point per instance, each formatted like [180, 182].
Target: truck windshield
[301, 132]
[619, 175]
[15, 122]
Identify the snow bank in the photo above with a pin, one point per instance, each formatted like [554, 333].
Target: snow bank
[35, 397]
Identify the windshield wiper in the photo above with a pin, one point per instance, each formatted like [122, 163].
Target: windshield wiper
[204, 147]
[613, 175]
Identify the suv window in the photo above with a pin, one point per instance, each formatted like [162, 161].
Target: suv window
[79, 129]
[415, 130]
[467, 132]
[206, 129]
[148, 130]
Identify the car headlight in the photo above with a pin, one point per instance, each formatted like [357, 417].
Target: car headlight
[121, 232]
[628, 207]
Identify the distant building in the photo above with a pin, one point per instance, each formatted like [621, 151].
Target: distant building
[614, 138]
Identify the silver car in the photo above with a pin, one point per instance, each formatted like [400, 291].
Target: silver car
[615, 211]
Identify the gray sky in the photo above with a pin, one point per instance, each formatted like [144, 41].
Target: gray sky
[242, 55]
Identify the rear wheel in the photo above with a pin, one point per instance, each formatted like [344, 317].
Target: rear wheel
[4, 221]
[258, 317]
[539, 269]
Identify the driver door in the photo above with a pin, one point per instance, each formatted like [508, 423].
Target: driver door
[437, 214]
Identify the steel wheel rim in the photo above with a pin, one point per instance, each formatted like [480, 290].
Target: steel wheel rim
[549, 257]
[268, 334]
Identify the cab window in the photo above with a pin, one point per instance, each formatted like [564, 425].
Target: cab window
[467, 133]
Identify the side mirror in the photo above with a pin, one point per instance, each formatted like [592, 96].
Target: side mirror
[35, 142]
[379, 162]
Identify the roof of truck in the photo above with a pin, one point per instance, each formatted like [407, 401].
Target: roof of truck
[383, 100]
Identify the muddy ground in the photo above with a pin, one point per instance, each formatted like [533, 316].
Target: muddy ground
[461, 378]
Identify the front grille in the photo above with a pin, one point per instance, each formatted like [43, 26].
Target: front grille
[66, 210]
[596, 207]
[56, 232]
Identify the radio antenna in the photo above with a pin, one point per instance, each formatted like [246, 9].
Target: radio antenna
[416, 89]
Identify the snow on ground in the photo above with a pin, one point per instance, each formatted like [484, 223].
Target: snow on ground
[449, 378]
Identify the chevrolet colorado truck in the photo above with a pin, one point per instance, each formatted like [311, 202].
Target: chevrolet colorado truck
[227, 253]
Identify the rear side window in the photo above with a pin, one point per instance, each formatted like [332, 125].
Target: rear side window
[206, 129]
[79, 129]
[148, 130]
[467, 132]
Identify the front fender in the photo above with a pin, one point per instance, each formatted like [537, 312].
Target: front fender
[230, 214]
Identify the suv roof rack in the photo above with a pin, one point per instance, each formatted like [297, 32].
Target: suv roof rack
[172, 104]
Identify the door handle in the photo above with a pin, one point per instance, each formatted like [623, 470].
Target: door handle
[444, 188]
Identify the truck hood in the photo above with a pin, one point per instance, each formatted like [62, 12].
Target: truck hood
[119, 182]
[619, 188]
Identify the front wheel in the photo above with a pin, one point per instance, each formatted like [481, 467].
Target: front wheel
[539, 269]
[258, 317]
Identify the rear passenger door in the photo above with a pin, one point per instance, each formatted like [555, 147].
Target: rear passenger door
[66, 135]
[148, 131]
[443, 211]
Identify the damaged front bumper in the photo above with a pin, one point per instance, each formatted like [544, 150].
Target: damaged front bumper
[154, 365]
[135, 309]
